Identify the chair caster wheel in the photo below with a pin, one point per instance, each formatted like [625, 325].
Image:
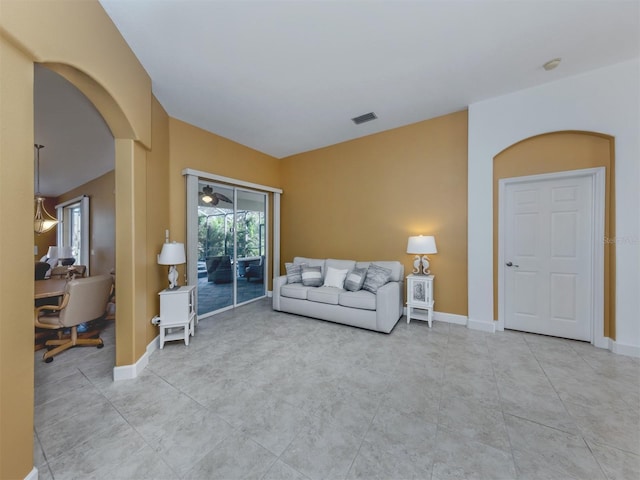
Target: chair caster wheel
[48, 360]
[100, 346]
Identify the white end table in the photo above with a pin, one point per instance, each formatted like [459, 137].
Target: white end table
[177, 312]
[420, 297]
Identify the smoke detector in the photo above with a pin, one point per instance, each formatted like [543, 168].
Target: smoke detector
[551, 64]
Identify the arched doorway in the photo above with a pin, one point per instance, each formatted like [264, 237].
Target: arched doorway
[76, 172]
[558, 152]
[80, 38]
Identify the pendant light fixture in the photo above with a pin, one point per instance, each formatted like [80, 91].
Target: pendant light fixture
[42, 222]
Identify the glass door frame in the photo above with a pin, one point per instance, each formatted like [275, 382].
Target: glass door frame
[272, 265]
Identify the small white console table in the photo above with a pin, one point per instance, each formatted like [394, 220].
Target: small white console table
[177, 314]
[420, 298]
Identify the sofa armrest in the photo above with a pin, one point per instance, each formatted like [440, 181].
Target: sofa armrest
[278, 282]
[388, 306]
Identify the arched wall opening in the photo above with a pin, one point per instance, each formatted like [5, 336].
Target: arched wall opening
[130, 159]
[558, 152]
[79, 41]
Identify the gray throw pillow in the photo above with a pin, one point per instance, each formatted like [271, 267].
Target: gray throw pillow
[311, 276]
[376, 277]
[355, 279]
[294, 272]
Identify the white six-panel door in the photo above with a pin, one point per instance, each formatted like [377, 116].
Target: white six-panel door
[547, 256]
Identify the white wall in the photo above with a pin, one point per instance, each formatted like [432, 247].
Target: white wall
[604, 101]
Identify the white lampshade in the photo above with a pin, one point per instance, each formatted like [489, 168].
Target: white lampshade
[52, 252]
[422, 245]
[65, 252]
[172, 254]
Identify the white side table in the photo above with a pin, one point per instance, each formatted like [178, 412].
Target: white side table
[420, 297]
[177, 312]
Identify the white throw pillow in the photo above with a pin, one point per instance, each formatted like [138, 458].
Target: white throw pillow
[335, 278]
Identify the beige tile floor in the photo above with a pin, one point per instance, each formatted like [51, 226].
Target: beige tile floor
[264, 395]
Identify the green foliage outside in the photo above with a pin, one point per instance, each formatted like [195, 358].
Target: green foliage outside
[213, 241]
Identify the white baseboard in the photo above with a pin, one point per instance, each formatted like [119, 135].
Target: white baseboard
[445, 317]
[450, 318]
[606, 343]
[603, 342]
[481, 325]
[269, 293]
[127, 372]
[623, 349]
[33, 474]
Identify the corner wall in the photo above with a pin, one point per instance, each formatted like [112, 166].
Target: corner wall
[16, 253]
[602, 101]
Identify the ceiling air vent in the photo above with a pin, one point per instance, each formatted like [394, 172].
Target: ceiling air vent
[367, 117]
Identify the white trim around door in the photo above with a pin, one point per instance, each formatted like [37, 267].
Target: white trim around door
[597, 177]
[192, 178]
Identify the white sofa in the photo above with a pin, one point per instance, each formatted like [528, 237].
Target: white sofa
[378, 311]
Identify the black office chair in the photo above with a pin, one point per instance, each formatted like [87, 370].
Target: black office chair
[41, 270]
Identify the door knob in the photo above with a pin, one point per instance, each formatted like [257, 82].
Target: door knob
[510, 264]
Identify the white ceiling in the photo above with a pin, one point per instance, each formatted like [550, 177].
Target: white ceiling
[285, 77]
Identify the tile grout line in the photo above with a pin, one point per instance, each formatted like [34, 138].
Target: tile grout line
[580, 429]
[140, 434]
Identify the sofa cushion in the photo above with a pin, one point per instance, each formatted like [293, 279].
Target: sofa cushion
[377, 276]
[312, 262]
[294, 272]
[355, 279]
[311, 276]
[335, 277]
[361, 299]
[397, 269]
[294, 290]
[329, 295]
[340, 264]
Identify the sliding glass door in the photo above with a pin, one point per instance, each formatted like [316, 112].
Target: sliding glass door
[250, 245]
[231, 246]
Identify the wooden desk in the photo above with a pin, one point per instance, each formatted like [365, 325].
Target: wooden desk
[53, 287]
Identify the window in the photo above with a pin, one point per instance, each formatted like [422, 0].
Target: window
[73, 228]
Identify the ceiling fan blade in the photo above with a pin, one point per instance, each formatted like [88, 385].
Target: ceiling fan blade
[222, 197]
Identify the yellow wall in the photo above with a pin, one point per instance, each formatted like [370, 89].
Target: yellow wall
[557, 152]
[192, 147]
[87, 49]
[102, 208]
[362, 199]
[158, 216]
[44, 240]
[78, 40]
[16, 254]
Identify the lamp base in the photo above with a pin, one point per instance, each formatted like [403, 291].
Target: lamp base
[421, 261]
[425, 265]
[416, 265]
[173, 278]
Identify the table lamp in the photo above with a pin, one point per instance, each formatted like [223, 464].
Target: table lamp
[52, 252]
[172, 254]
[421, 245]
[65, 255]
